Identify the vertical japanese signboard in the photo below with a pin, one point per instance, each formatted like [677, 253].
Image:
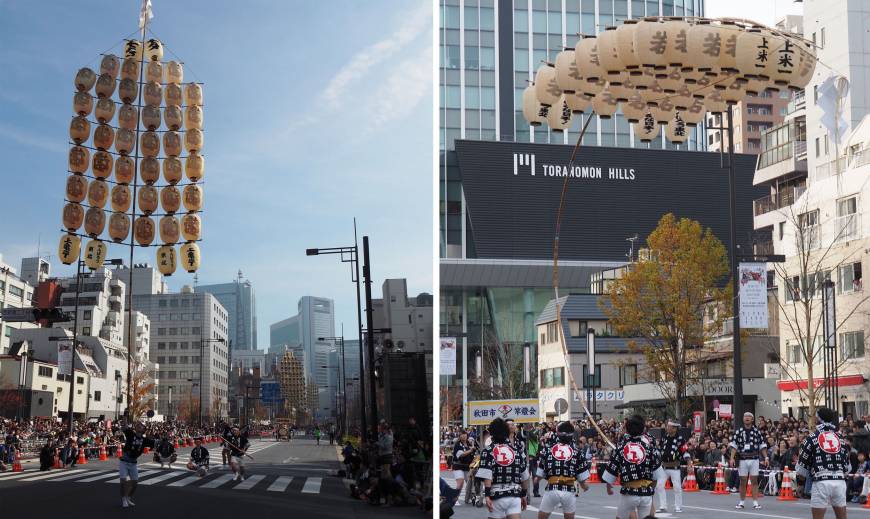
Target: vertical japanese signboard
[753, 295]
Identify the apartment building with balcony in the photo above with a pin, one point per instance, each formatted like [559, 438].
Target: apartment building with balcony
[15, 292]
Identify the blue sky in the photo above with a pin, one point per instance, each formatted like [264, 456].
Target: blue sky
[315, 112]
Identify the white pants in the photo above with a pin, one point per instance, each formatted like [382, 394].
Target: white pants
[637, 504]
[828, 493]
[747, 468]
[674, 476]
[505, 506]
[128, 470]
[553, 498]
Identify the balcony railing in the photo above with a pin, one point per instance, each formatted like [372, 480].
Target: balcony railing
[763, 248]
[784, 198]
[797, 102]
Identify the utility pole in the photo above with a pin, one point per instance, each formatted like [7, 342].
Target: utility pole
[370, 336]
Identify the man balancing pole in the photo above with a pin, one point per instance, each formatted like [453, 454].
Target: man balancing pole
[238, 446]
[135, 442]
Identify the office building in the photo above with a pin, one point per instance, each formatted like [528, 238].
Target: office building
[34, 270]
[15, 292]
[241, 305]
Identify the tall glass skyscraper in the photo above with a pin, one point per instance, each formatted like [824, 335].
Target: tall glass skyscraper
[241, 304]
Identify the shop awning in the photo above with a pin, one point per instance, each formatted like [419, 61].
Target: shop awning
[658, 402]
[846, 380]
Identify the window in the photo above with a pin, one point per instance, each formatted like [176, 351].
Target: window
[817, 147]
[161, 360]
[161, 303]
[45, 371]
[822, 38]
[850, 278]
[552, 377]
[87, 314]
[597, 378]
[161, 345]
[628, 375]
[86, 330]
[195, 330]
[578, 328]
[852, 345]
[98, 395]
[80, 380]
[792, 289]
[794, 353]
[847, 221]
[809, 225]
[16, 291]
[161, 331]
[173, 331]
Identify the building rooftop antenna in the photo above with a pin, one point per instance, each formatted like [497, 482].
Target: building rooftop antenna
[630, 254]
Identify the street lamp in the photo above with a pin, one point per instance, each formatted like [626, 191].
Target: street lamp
[351, 255]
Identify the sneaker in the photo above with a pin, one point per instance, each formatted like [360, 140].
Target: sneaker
[241, 478]
[662, 510]
[130, 502]
[756, 506]
[124, 503]
[236, 477]
[739, 506]
[678, 510]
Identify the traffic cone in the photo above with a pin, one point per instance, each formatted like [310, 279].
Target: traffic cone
[118, 452]
[785, 492]
[57, 463]
[593, 472]
[176, 443]
[618, 481]
[719, 487]
[146, 450]
[668, 485]
[82, 459]
[190, 442]
[691, 484]
[749, 491]
[442, 463]
[103, 456]
[867, 504]
[16, 465]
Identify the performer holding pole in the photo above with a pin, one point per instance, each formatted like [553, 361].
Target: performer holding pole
[562, 465]
[672, 446]
[824, 457]
[134, 443]
[504, 470]
[238, 445]
[637, 463]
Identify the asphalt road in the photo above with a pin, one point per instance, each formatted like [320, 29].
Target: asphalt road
[295, 477]
[596, 504]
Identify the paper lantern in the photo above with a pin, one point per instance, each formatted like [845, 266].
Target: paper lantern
[68, 249]
[191, 227]
[194, 167]
[559, 116]
[170, 231]
[151, 117]
[79, 159]
[754, 86]
[173, 116]
[754, 54]
[105, 110]
[705, 46]
[125, 140]
[127, 117]
[154, 71]
[593, 88]
[608, 55]
[73, 216]
[98, 193]
[166, 261]
[677, 45]
[694, 114]
[670, 79]
[147, 198]
[806, 67]
[153, 94]
[193, 140]
[121, 198]
[174, 72]
[714, 102]
[104, 136]
[79, 129]
[154, 50]
[102, 164]
[170, 199]
[172, 170]
[728, 54]
[172, 143]
[149, 144]
[605, 104]
[85, 79]
[663, 111]
[190, 256]
[734, 93]
[193, 94]
[192, 197]
[650, 42]
[83, 103]
[95, 254]
[682, 98]
[786, 57]
[677, 131]
[586, 55]
[643, 78]
[95, 221]
[124, 169]
[127, 91]
[144, 230]
[692, 76]
[567, 75]
[625, 46]
[149, 170]
[634, 108]
[119, 226]
[105, 86]
[725, 79]
[76, 188]
[130, 70]
[578, 102]
[546, 89]
[133, 49]
[109, 66]
[622, 91]
[652, 94]
[173, 95]
[646, 129]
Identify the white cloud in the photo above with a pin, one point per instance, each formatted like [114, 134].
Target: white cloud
[27, 139]
[403, 88]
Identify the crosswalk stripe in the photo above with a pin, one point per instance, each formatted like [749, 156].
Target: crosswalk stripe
[280, 484]
[249, 482]
[312, 486]
[52, 475]
[218, 481]
[16, 475]
[141, 473]
[99, 477]
[76, 476]
[184, 482]
[162, 477]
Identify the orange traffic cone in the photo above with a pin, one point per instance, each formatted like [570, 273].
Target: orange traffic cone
[82, 460]
[867, 504]
[719, 488]
[57, 463]
[118, 452]
[176, 443]
[786, 493]
[691, 484]
[618, 481]
[593, 472]
[190, 442]
[749, 491]
[16, 465]
[442, 463]
[146, 450]
[668, 485]
[103, 456]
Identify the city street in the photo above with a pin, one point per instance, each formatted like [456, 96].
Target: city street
[596, 504]
[283, 477]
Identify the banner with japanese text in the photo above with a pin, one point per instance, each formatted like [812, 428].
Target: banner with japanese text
[753, 295]
[482, 412]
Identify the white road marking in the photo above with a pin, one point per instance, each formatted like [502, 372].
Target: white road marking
[755, 513]
[249, 482]
[312, 486]
[162, 477]
[280, 484]
[16, 475]
[51, 475]
[141, 473]
[533, 509]
[218, 481]
[76, 476]
[184, 482]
